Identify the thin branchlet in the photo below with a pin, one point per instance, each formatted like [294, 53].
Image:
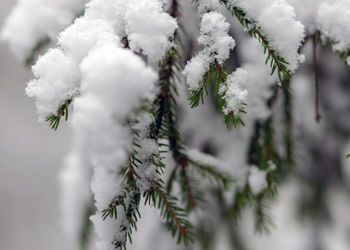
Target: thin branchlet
[277, 63]
[63, 111]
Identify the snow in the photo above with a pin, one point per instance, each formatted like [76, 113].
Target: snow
[306, 12]
[277, 20]
[257, 180]
[195, 70]
[111, 85]
[333, 23]
[109, 72]
[78, 39]
[57, 79]
[206, 160]
[214, 36]
[115, 84]
[149, 28]
[234, 93]
[285, 33]
[75, 195]
[216, 45]
[33, 20]
[205, 6]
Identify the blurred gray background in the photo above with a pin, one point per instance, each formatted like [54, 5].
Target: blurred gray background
[30, 157]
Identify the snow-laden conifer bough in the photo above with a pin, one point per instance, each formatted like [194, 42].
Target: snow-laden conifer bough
[116, 70]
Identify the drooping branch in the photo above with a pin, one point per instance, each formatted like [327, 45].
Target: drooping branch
[315, 72]
[276, 61]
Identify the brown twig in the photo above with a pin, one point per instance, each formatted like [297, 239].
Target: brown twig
[171, 211]
[315, 72]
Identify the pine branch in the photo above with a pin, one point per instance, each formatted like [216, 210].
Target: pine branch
[63, 111]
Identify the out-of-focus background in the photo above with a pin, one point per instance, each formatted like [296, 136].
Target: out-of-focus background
[30, 157]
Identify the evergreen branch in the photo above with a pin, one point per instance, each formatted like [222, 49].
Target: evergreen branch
[130, 195]
[288, 137]
[315, 72]
[171, 180]
[205, 233]
[63, 111]
[131, 217]
[224, 178]
[233, 233]
[166, 123]
[39, 47]
[215, 77]
[276, 62]
[111, 211]
[263, 219]
[174, 216]
[240, 201]
[188, 187]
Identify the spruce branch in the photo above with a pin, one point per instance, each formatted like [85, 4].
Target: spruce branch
[277, 63]
[288, 118]
[63, 111]
[223, 179]
[132, 215]
[174, 216]
[315, 72]
[187, 186]
[263, 218]
[215, 77]
[39, 47]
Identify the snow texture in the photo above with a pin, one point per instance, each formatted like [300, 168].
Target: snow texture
[115, 84]
[277, 20]
[333, 20]
[34, 20]
[58, 71]
[216, 45]
[234, 93]
[149, 28]
[257, 178]
[57, 80]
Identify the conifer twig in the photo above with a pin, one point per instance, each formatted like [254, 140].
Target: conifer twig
[315, 72]
[276, 61]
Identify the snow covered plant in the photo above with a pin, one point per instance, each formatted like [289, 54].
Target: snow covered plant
[120, 70]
